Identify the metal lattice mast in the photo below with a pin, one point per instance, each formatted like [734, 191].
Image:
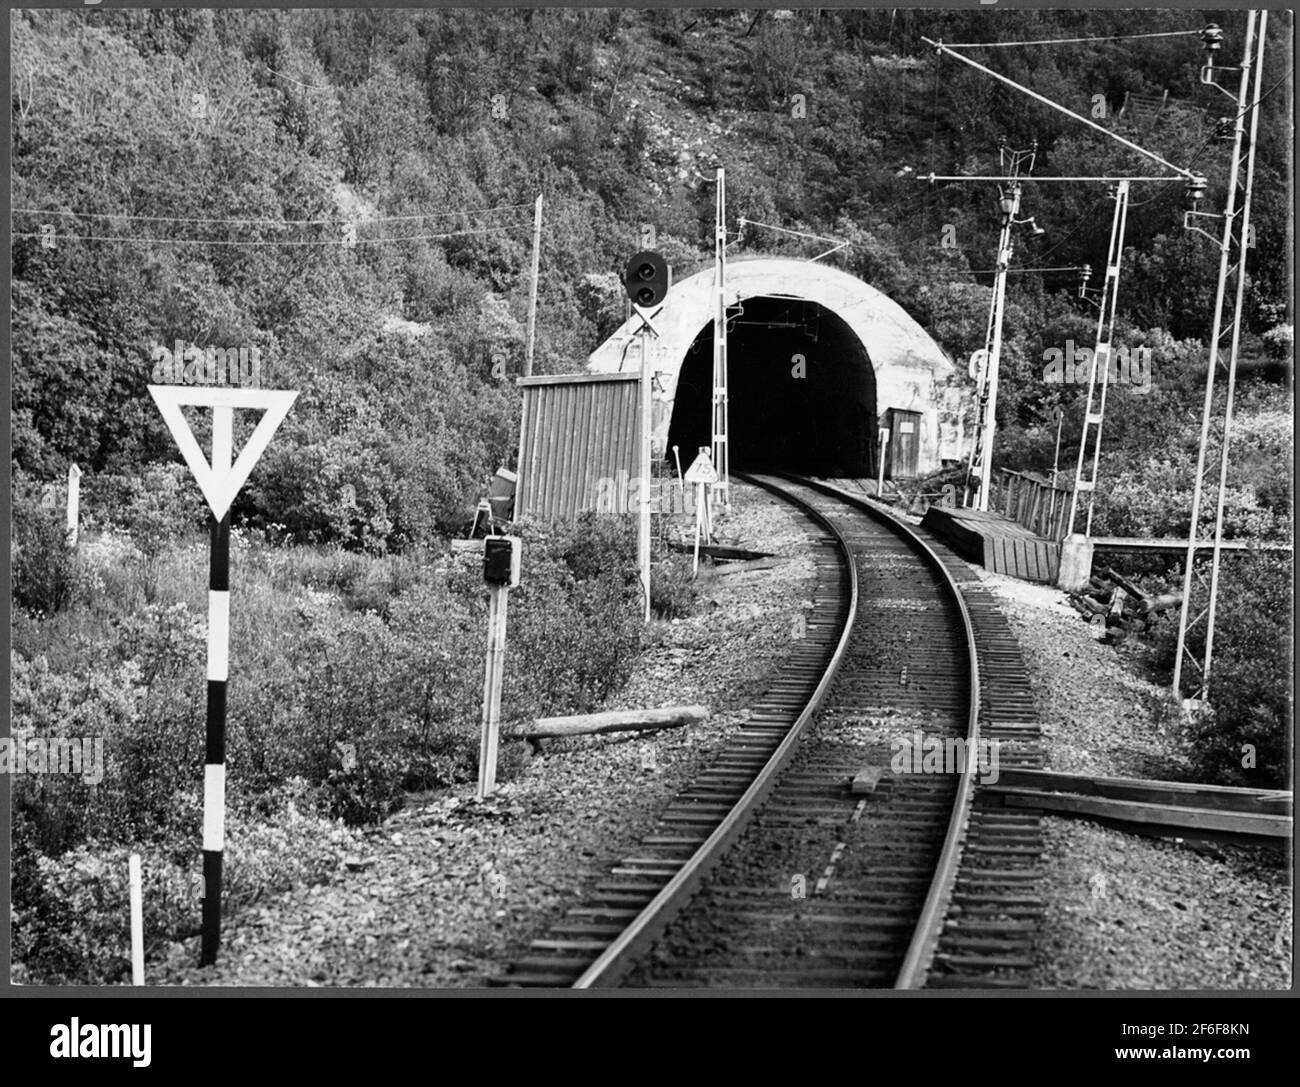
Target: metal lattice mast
[980, 463]
[1101, 361]
[981, 379]
[721, 445]
[1232, 276]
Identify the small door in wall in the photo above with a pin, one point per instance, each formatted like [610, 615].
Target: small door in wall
[904, 443]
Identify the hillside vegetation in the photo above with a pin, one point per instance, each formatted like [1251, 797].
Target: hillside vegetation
[268, 133]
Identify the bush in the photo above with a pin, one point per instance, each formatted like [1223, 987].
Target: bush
[156, 509]
[347, 728]
[163, 504]
[575, 621]
[1250, 688]
[592, 547]
[672, 588]
[99, 703]
[45, 573]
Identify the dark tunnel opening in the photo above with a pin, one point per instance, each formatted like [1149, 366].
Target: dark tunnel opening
[802, 392]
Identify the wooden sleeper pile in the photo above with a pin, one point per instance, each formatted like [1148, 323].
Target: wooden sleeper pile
[1120, 605]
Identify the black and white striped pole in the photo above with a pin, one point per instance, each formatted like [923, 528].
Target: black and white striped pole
[219, 481]
[214, 756]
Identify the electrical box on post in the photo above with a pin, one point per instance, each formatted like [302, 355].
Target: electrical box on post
[501, 560]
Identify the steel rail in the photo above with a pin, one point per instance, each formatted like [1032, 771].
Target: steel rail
[645, 928]
[920, 952]
[620, 955]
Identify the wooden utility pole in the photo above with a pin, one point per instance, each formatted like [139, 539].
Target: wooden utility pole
[532, 293]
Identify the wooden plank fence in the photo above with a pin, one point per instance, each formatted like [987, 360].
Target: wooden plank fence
[1031, 502]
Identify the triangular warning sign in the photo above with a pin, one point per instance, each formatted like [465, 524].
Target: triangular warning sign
[701, 469]
[221, 479]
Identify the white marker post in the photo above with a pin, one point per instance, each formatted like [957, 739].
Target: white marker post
[1059, 416]
[219, 481]
[498, 602]
[701, 473]
[644, 458]
[137, 921]
[501, 569]
[645, 411]
[74, 503]
[880, 463]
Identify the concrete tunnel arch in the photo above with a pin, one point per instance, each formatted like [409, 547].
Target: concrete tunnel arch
[862, 355]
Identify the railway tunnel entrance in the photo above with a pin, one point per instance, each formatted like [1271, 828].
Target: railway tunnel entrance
[802, 391]
[818, 360]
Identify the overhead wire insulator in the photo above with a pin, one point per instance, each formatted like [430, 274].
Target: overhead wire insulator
[1224, 128]
[1195, 192]
[1085, 274]
[1211, 41]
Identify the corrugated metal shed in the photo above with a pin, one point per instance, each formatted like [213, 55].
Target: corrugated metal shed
[577, 429]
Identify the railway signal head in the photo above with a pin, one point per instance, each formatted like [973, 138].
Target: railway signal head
[646, 278]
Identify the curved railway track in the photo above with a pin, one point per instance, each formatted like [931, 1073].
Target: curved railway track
[769, 870]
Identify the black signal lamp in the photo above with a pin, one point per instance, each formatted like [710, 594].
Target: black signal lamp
[646, 278]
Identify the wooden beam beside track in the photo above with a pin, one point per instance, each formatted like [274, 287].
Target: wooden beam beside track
[545, 728]
[1164, 808]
